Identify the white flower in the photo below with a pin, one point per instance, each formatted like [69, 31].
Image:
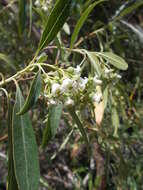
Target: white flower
[56, 88]
[52, 102]
[97, 81]
[118, 76]
[77, 70]
[44, 7]
[97, 97]
[107, 71]
[69, 102]
[82, 83]
[37, 3]
[67, 83]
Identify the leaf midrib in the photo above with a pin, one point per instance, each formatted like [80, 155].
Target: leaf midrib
[54, 24]
[23, 140]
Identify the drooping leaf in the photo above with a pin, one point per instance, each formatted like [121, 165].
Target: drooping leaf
[11, 182]
[25, 152]
[94, 62]
[114, 60]
[22, 16]
[80, 127]
[54, 117]
[82, 20]
[115, 121]
[30, 17]
[105, 97]
[55, 22]
[33, 94]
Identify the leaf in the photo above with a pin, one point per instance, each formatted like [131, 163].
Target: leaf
[22, 16]
[55, 22]
[30, 17]
[114, 60]
[105, 97]
[33, 94]
[94, 62]
[25, 152]
[115, 120]
[11, 183]
[80, 127]
[54, 117]
[123, 10]
[81, 21]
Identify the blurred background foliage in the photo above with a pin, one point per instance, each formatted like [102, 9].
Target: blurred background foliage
[113, 26]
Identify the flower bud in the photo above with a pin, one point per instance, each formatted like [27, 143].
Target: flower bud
[97, 81]
[56, 88]
[97, 97]
[69, 102]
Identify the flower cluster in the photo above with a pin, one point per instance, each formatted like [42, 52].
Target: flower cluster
[43, 4]
[71, 89]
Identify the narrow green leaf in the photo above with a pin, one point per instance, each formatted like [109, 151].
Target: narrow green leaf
[33, 94]
[105, 97]
[80, 127]
[115, 121]
[120, 13]
[114, 60]
[82, 20]
[11, 183]
[22, 16]
[30, 17]
[54, 117]
[25, 152]
[94, 62]
[55, 22]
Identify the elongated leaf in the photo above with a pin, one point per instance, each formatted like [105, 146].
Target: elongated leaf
[54, 117]
[81, 21]
[115, 121]
[30, 17]
[11, 183]
[33, 94]
[55, 22]
[114, 60]
[125, 10]
[25, 153]
[94, 62]
[105, 97]
[80, 127]
[22, 16]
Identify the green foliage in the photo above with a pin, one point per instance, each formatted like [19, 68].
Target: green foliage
[88, 86]
[12, 183]
[25, 154]
[54, 117]
[33, 95]
[115, 60]
[22, 16]
[55, 22]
